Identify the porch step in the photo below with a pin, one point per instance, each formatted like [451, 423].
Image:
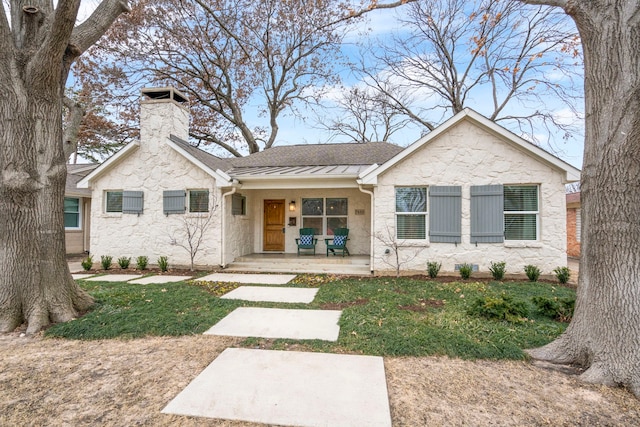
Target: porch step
[356, 265]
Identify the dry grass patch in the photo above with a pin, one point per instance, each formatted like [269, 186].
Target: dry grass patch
[128, 382]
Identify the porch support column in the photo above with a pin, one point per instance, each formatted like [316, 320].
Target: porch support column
[373, 227]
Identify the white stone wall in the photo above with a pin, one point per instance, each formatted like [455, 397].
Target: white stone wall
[153, 168]
[468, 155]
[239, 230]
[359, 225]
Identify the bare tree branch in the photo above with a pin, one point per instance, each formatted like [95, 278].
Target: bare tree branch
[88, 33]
[72, 125]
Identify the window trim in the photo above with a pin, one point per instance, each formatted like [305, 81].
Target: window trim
[79, 214]
[425, 213]
[523, 213]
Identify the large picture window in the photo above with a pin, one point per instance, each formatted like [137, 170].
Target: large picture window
[521, 213]
[411, 213]
[71, 213]
[325, 215]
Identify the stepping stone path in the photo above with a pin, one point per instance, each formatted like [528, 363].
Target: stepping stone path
[284, 387]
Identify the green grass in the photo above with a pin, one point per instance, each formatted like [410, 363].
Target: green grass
[381, 316]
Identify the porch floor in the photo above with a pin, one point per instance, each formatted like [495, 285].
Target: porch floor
[292, 263]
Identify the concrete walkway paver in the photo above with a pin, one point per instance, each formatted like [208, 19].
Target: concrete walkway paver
[272, 294]
[114, 278]
[81, 276]
[160, 279]
[289, 388]
[279, 323]
[267, 279]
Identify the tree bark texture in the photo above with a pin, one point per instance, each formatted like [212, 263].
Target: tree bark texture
[36, 51]
[604, 335]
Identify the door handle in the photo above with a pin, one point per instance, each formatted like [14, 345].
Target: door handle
[283, 228]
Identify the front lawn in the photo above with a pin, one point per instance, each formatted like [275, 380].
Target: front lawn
[381, 316]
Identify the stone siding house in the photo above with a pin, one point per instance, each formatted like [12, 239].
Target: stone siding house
[468, 192]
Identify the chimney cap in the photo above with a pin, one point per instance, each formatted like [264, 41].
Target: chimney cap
[164, 93]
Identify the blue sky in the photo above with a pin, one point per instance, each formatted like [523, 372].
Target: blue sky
[379, 24]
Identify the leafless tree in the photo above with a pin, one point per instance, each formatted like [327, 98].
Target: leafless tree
[192, 233]
[399, 253]
[505, 59]
[362, 115]
[231, 57]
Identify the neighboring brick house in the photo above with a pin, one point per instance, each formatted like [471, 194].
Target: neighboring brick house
[573, 224]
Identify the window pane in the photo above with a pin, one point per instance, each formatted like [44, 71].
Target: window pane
[333, 223]
[521, 198]
[337, 207]
[114, 201]
[411, 199]
[71, 212]
[199, 201]
[520, 227]
[411, 226]
[315, 223]
[312, 206]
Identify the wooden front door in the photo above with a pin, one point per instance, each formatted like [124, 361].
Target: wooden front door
[273, 225]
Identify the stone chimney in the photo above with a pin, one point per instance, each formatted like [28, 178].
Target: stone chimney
[163, 112]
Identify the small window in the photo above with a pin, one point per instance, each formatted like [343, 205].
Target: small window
[411, 213]
[198, 200]
[238, 204]
[113, 201]
[71, 213]
[521, 212]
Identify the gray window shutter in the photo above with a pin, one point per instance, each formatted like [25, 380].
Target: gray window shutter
[445, 215]
[487, 214]
[173, 201]
[132, 202]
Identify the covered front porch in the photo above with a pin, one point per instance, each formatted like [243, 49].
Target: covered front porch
[292, 263]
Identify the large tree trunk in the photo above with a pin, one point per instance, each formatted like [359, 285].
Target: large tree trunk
[38, 44]
[37, 287]
[604, 335]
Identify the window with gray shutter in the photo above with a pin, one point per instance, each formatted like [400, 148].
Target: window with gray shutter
[132, 202]
[173, 201]
[487, 214]
[445, 219]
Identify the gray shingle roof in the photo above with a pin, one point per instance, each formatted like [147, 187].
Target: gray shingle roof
[320, 155]
[211, 161]
[75, 172]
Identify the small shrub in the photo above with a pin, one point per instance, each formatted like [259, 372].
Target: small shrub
[124, 262]
[533, 272]
[562, 274]
[560, 309]
[163, 263]
[497, 269]
[502, 307]
[433, 268]
[87, 263]
[466, 270]
[142, 262]
[105, 260]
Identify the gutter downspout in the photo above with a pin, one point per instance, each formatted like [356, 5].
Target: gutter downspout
[373, 222]
[223, 215]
